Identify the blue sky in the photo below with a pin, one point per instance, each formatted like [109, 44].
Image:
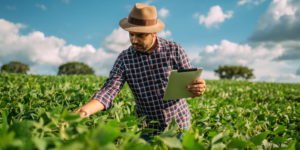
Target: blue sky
[79, 22]
[261, 34]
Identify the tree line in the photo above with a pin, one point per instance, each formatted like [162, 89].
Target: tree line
[70, 68]
[230, 72]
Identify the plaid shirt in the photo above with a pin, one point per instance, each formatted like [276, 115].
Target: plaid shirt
[147, 77]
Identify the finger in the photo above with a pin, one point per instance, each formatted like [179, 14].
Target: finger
[83, 115]
[198, 80]
[196, 86]
[197, 93]
[197, 90]
[193, 86]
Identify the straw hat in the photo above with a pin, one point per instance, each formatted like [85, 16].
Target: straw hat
[143, 19]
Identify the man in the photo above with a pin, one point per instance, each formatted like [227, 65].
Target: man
[145, 66]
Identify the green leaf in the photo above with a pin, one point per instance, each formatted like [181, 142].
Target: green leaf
[212, 133]
[279, 129]
[71, 116]
[218, 146]
[217, 138]
[292, 145]
[257, 140]
[136, 144]
[105, 134]
[171, 142]
[73, 146]
[39, 143]
[81, 129]
[6, 140]
[189, 142]
[4, 124]
[237, 143]
[279, 140]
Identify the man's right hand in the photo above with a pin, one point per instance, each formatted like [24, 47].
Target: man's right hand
[90, 108]
[83, 113]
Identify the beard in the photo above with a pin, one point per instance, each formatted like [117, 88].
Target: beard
[139, 47]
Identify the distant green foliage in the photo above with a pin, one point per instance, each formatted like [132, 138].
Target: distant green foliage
[75, 68]
[234, 72]
[36, 113]
[15, 67]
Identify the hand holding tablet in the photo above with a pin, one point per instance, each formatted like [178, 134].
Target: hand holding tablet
[178, 82]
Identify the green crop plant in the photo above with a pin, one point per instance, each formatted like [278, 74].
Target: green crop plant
[37, 113]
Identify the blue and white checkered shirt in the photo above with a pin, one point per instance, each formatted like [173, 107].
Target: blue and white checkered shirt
[147, 76]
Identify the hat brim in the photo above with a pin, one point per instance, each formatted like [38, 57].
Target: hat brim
[142, 29]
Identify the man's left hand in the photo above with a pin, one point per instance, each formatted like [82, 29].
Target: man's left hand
[197, 87]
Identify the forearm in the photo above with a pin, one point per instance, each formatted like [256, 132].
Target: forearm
[90, 108]
[103, 98]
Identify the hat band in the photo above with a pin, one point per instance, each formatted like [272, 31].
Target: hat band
[142, 22]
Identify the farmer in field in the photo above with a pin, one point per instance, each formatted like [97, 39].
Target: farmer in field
[145, 66]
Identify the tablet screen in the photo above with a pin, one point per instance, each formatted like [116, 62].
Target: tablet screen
[178, 81]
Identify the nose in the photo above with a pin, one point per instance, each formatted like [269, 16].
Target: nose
[133, 39]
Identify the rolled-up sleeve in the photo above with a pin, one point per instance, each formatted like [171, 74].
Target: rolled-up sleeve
[113, 84]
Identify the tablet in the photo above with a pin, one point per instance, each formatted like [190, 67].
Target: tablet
[178, 81]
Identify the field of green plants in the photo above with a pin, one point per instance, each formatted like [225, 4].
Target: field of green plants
[36, 113]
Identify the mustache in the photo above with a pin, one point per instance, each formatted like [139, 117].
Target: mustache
[134, 44]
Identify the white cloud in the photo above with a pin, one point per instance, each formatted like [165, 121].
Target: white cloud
[117, 41]
[215, 17]
[245, 2]
[275, 71]
[259, 56]
[45, 53]
[165, 34]
[13, 45]
[298, 71]
[163, 13]
[230, 53]
[278, 32]
[281, 25]
[8, 28]
[281, 8]
[291, 50]
[280, 22]
[41, 6]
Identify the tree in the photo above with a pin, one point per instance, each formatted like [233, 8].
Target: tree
[234, 72]
[15, 67]
[74, 68]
